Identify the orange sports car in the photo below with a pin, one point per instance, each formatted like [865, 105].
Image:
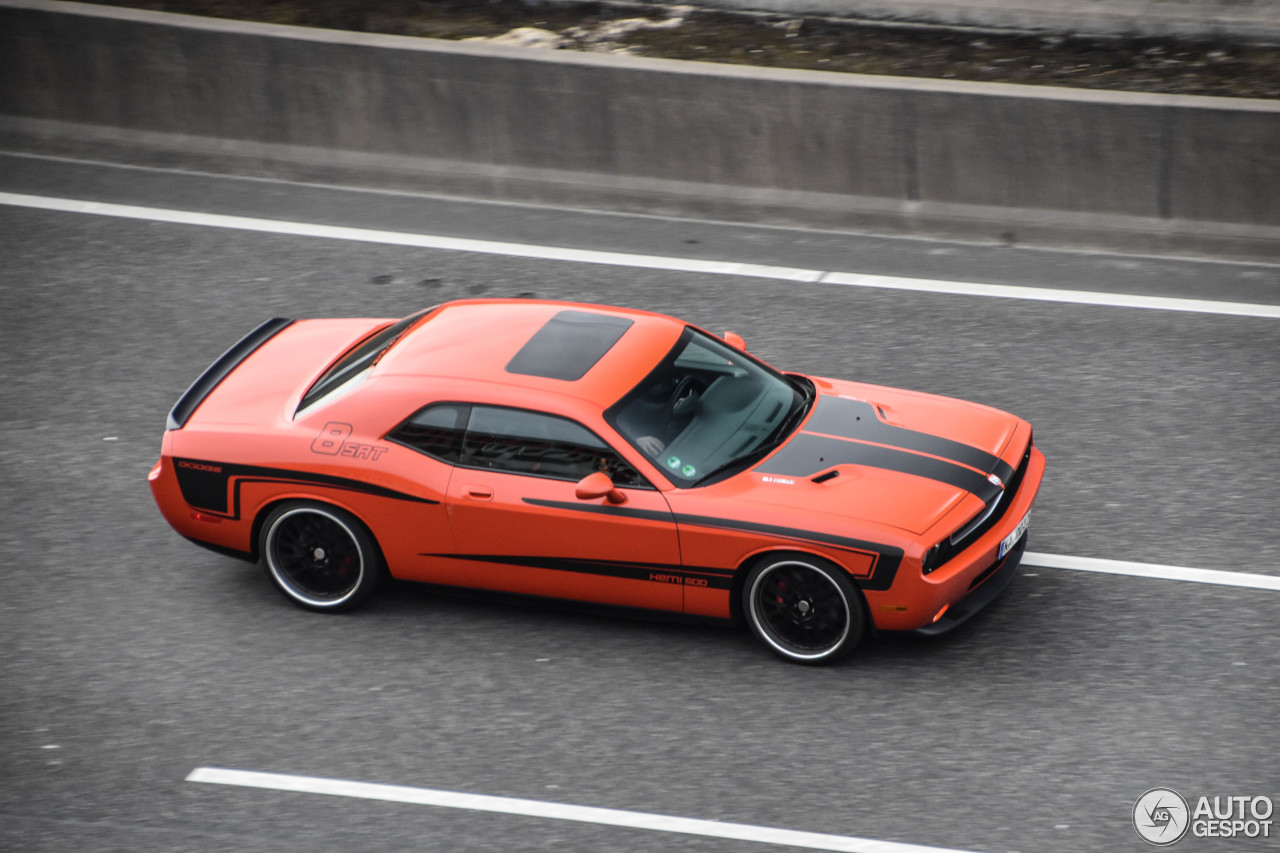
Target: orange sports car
[599, 455]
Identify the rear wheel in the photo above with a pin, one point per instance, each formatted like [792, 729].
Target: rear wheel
[804, 608]
[320, 557]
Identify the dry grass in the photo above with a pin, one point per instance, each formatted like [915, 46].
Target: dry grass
[1131, 64]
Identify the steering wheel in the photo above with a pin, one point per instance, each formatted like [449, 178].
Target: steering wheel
[683, 397]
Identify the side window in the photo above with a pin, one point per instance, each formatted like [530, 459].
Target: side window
[436, 431]
[543, 445]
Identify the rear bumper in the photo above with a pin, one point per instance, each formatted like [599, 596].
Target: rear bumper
[982, 595]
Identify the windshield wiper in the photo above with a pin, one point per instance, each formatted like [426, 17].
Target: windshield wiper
[793, 417]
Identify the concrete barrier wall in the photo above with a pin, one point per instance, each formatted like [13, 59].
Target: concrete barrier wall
[904, 146]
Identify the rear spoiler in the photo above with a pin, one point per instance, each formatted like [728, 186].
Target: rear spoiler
[216, 372]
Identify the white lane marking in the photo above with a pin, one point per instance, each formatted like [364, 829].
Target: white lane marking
[624, 259]
[553, 811]
[1048, 294]
[658, 217]
[1150, 570]
[401, 238]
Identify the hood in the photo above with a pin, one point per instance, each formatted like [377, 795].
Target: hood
[890, 457]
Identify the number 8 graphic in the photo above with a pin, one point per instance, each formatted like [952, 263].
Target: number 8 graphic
[331, 438]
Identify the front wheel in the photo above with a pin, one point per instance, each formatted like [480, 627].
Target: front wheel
[803, 608]
[320, 557]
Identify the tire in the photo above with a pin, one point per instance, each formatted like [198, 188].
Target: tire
[322, 558]
[803, 608]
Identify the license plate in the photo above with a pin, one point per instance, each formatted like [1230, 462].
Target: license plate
[1012, 539]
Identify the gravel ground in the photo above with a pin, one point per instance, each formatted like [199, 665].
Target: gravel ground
[1130, 64]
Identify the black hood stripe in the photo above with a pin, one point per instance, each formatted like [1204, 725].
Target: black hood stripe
[859, 420]
[807, 454]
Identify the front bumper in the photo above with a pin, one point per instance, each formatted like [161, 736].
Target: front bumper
[982, 595]
[915, 599]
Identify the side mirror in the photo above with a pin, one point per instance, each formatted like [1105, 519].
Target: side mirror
[598, 485]
[735, 340]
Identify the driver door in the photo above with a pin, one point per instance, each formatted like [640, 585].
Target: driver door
[518, 525]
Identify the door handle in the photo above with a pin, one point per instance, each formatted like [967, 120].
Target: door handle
[480, 493]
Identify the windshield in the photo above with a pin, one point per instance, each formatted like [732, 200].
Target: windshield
[708, 410]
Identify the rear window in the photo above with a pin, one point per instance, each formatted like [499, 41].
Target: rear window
[359, 359]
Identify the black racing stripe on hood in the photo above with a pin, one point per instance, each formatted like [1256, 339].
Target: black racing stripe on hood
[857, 419]
[806, 455]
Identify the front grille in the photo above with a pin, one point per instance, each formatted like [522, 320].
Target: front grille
[948, 549]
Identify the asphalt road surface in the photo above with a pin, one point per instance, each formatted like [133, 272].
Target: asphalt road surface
[131, 657]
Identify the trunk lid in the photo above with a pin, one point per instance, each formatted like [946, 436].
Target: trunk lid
[266, 384]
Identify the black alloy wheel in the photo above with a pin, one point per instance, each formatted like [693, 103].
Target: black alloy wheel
[804, 608]
[320, 557]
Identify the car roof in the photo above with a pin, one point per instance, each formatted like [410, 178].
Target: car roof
[591, 352]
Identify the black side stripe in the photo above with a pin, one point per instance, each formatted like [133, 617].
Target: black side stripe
[840, 416]
[885, 559]
[806, 455]
[204, 484]
[604, 509]
[658, 572]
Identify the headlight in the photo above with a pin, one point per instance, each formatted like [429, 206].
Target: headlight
[930, 560]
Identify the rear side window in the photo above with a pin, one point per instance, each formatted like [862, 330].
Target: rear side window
[436, 431]
[361, 357]
[525, 442]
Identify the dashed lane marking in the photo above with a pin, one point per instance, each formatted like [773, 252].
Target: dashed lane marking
[658, 262]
